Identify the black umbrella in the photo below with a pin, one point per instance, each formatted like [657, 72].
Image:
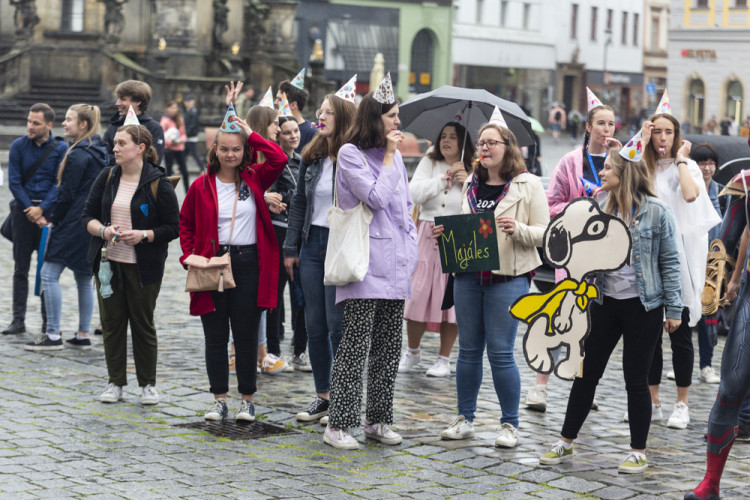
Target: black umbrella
[734, 154]
[424, 115]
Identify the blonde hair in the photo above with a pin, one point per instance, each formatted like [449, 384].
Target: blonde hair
[635, 183]
[89, 114]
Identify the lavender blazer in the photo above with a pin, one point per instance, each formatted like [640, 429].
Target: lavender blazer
[393, 236]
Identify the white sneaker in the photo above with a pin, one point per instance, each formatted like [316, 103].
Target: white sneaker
[656, 414]
[670, 375]
[709, 376]
[381, 432]
[409, 361]
[324, 420]
[536, 399]
[441, 368]
[460, 428]
[112, 394]
[149, 395]
[680, 416]
[340, 438]
[301, 363]
[508, 437]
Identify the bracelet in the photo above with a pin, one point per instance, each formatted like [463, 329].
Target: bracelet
[101, 231]
[681, 161]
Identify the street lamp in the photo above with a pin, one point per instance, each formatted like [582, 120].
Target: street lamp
[607, 43]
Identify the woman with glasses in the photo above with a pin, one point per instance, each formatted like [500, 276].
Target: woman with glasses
[499, 185]
[308, 226]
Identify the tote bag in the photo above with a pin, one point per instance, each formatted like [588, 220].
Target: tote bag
[348, 252]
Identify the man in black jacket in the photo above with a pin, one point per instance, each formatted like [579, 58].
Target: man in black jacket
[192, 129]
[137, 94]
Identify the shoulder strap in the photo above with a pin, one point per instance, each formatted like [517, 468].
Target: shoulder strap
[336, 183]
[38, 163]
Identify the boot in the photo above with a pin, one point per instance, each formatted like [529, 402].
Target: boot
[708, 489]
[17, 326]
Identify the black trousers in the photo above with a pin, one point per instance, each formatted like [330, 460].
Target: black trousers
[235, 307]
[640, 330]
[169, 158]
[683, 355]
[26, 238]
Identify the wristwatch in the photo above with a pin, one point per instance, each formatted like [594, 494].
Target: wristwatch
[145, 237]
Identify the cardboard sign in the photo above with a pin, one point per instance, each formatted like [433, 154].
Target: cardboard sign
[469, 243]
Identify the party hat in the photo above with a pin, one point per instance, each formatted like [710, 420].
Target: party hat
[664, 106]
[228, 124]
[497, 118]
[347, 92]
[299, 80]
[590, 188]
[384, 93]
[267, 101]
[284, 107]
[130, 118]
[633, 150]
[593, 101]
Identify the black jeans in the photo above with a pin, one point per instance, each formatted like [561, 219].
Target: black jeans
[26, 238]
[169, 157]
[236, 307]
[683, 355]
[640, 330]
[191, 149]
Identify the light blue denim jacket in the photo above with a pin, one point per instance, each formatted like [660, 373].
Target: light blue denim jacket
[655, 258]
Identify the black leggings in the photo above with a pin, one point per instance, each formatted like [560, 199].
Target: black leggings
[735, 378]
[640, 330]
[683, 355]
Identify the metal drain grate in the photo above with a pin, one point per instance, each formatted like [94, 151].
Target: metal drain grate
[232, 429]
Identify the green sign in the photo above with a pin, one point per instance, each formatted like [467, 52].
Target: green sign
[469, 243]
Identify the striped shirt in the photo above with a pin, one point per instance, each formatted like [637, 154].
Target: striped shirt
[121, 217]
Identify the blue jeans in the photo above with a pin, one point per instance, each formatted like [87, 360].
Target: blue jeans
[323, 319]
[483, 320]
[705, 344]
[51, 272]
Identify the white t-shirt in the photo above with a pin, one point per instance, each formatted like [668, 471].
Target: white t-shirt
[620, 284]
[244, 220]
[323, 198]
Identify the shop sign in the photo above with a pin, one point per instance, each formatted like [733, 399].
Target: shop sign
[699, 53]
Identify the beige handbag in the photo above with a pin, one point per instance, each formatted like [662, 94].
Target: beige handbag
[206, 274]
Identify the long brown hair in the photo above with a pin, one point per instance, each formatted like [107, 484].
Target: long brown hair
[651, 155]
[635, 183]
[322, 147]
[587, 136]
[467, 147]
[512, 163]
[260, 118]
[85, 113]
[140, 135]
[213, 160]
[368, 130]
[178, 117]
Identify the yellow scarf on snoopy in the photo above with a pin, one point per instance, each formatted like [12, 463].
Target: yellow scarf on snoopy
[531, 306]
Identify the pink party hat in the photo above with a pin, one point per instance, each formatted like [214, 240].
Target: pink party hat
[497, 118]
[284, 107]
[664, 106]
[267, 101]
[348, 91]
[633, 150]
[299, 80]
[130, 118]
[593, 101]
[384, 93]
[228, 124]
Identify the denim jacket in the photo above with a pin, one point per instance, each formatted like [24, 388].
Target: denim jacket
[300, 211]
[655, 258]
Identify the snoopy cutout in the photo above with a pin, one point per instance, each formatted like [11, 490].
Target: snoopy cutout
[582, 240]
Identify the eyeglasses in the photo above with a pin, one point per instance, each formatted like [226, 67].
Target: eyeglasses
[320, 113]
[489, 144]
[706, 163]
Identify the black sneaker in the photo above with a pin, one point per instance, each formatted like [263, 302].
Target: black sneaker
[76, 343]
[44, 344]
[743, 432]
[17, 326]
[315, 410]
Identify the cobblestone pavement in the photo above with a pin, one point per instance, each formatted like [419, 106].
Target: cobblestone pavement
[57, 440]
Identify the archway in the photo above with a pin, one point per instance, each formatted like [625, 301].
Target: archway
[422, 60]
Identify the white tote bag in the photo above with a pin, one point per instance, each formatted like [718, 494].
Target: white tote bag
[348, 251]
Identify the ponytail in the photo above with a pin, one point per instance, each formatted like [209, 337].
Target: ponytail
[86, 113]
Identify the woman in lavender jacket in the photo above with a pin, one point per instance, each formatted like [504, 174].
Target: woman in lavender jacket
[370, 169]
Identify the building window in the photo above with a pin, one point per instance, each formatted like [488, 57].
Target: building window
[480, 8]
[701, 4]
[696, 101]
[503, 13]
[740, 4]
[594, 12]
[422, 57]
[734, 101]
[574, 21]
[655, 32]
[624, 28]
[610, 14]
[72, 15]
[635, 29]
[526, 15]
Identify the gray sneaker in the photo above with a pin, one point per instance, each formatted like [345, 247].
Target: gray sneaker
[301, 363]
[112, 394]
[149, 396]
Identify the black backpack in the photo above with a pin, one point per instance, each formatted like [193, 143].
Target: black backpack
[558, 115]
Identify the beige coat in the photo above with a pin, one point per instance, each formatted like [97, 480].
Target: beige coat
[526, 202]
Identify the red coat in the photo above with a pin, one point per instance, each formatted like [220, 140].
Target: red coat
[199, 222]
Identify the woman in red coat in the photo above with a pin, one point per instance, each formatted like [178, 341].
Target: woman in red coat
[233, 188]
